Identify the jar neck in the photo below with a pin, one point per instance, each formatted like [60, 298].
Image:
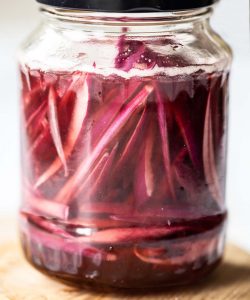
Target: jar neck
[130, 22]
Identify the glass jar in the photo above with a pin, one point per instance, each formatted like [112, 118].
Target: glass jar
[124, 138]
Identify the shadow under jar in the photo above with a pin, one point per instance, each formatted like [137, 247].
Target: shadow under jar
[124, 137]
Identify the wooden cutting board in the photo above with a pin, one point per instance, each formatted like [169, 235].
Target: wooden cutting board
[18, 280]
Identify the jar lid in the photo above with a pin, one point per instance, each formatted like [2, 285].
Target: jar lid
[129, 5]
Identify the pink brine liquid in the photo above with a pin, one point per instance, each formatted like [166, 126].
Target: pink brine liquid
[124, 179]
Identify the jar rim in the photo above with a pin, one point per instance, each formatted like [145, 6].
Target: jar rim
[129, 6]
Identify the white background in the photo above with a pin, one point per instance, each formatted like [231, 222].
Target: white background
[231, 20]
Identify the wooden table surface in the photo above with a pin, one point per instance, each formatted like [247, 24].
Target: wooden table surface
[18, 280]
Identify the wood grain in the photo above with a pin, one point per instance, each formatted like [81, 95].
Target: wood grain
[18, 280]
